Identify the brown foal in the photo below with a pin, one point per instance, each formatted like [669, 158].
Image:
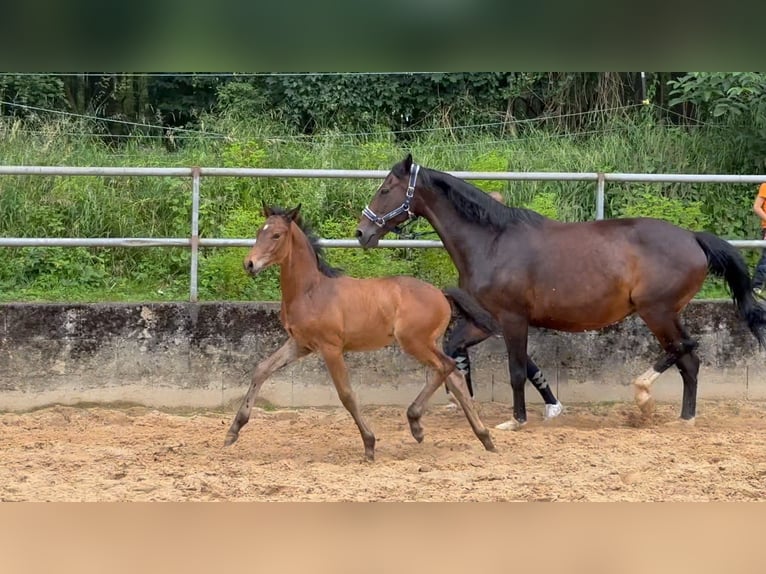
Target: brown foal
[327, 313]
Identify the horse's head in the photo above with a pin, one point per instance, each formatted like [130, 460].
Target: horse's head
[390, 205]
[272, 243]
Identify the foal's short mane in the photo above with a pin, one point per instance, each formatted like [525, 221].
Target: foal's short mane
[470, 202]
[324, 267]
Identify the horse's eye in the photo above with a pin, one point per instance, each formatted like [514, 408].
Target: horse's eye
[384, 191]
[276, 236]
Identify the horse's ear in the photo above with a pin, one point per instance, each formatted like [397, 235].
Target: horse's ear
[407, 163]
[266, 210]
[293, 213]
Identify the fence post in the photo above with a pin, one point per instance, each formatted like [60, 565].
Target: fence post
[194, 235]
[601, 182]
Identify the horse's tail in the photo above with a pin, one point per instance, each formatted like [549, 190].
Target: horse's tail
[724, 260]
[471, 308]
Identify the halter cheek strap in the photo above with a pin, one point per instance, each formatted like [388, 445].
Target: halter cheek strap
[381, 220]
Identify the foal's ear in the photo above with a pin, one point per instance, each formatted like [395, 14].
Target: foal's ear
[407, 163]
[266, 209]
[293, 213]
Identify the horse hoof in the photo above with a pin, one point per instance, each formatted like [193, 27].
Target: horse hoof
[681, 423]
[646, 405]
[230, 439]
[512, 424]
[552, 411]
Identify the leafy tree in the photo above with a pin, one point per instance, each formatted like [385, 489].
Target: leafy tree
[737, 100]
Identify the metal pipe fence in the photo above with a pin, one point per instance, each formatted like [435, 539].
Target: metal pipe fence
[194, 242]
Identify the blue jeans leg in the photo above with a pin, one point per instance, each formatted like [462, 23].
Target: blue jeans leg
[759, 275]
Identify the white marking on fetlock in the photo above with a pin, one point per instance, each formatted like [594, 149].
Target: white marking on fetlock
[642, 396]
[647, 378]
[512, 424]
[552, 411]
[643, 384]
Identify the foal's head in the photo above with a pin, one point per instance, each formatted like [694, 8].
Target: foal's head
[391, 204]
[272, 243]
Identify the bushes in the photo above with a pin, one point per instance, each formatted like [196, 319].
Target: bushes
[231, 207]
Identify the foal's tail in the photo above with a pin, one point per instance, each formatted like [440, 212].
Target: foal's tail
[724, 260]
[471, 308]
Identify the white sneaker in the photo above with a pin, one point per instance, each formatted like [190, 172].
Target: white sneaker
[552, 411]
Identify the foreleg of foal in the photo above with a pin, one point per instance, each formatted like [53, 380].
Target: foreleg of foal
[336, 365]
[286, 354]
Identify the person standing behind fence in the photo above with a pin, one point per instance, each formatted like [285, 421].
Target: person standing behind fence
[759, 276]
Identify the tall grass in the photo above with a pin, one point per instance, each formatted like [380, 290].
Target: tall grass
[231, 207]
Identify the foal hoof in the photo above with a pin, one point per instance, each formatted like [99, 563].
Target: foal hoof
[230, 439]
[488, 444]
[512, 424]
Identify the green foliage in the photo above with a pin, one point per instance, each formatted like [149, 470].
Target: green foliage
[221, 273]
[38, 91]
[231, 207]
[545, 204]
[644, 203]
[360, 262]
[737, 99]
[490, 161]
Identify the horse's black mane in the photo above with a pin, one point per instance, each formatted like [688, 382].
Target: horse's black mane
[324, 267]
[470, 202]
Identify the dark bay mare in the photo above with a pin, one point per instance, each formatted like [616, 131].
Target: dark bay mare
[327, 313]
[528, 270]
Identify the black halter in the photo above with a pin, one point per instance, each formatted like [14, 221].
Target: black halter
[381, 221]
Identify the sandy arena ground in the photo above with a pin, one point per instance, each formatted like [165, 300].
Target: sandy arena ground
[595, 452]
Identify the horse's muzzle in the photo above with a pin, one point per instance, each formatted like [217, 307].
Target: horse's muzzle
[252, 267]
[367, 237]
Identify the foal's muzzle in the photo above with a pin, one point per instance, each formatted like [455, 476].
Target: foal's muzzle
[252, 267]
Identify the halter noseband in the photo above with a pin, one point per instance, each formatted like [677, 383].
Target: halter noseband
[381, 220]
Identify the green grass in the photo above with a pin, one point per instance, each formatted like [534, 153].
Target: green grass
[231, 207]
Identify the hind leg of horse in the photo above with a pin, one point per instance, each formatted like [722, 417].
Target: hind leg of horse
[286, 354]
[336, 365]
[689, 365]
[442, 366]
[667, 328]
[535, 375]
[456, 385]
[460, 338]
[444, 370]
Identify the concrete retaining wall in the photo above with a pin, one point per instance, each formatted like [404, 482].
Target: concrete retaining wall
[201, 355]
